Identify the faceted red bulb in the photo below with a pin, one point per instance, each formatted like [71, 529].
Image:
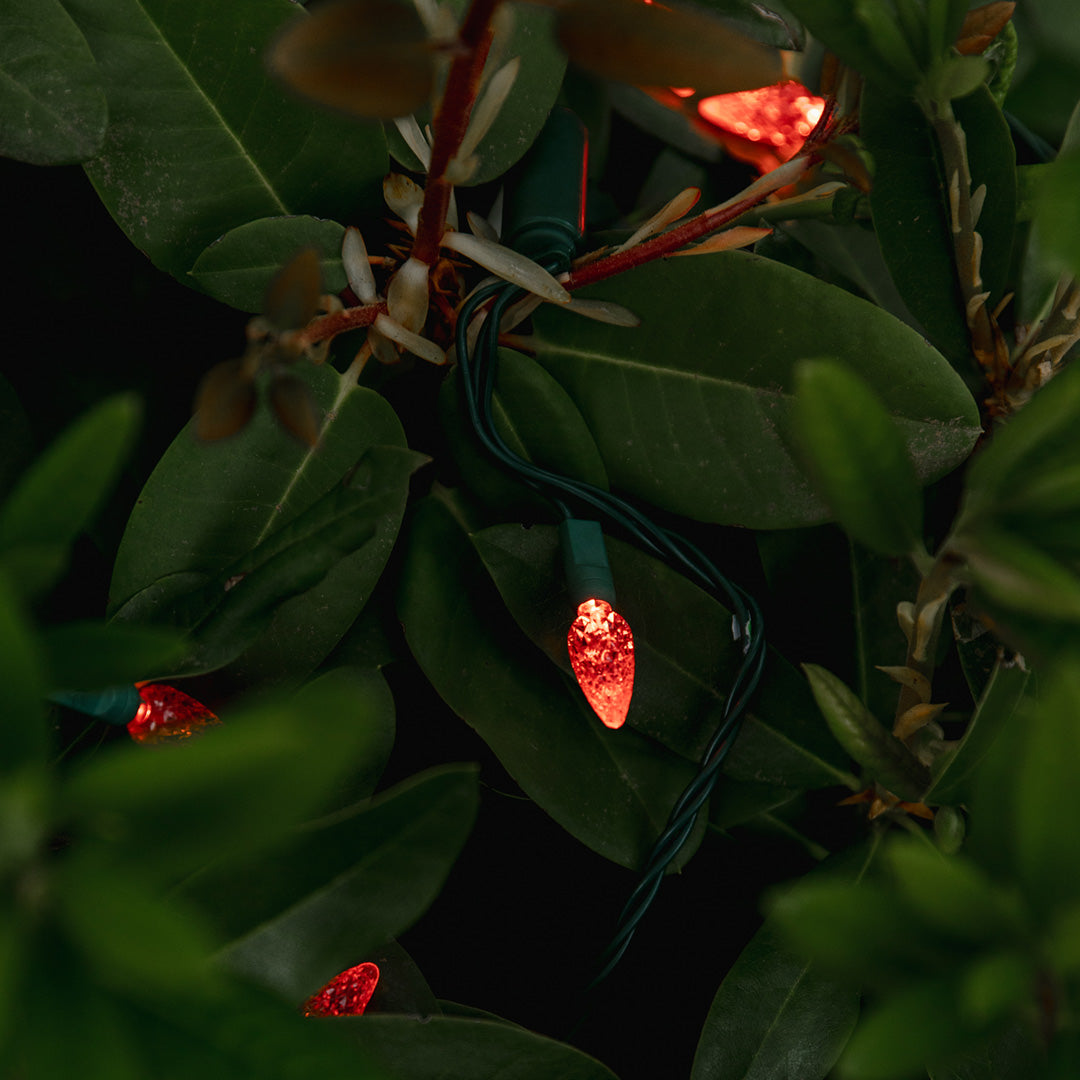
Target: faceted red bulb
[346, 994]
[765, 126]
[167, 714]
[601, 650]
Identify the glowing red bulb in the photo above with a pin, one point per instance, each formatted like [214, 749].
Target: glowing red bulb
[601, 650]
[765, 126]
[346, 994]
[167, 714]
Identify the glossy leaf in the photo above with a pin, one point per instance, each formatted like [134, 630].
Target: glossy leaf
[772, 24]
[237, 268]
[63, 491]
[353, 884]
[774, 1018]
[883, 755]
[409, 1049]
[910, 207]
[857, 458]
[52, 106]
[96, 656]
[495, 679]
[201, 140]
[649, 45]
[206, 506]
[236, 790]
[685, 658]
[1004, 693]
[722, 361]
[535, 89]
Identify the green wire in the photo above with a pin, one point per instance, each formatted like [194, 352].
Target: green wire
[478, 384]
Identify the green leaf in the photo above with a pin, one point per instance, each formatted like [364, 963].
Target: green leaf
[883, 755]
[857, 458]
[909, 202]
[236, 790]
[538, 421]
[685, 657]
[1047, 806]
[523, 113]
[206, 506]
[410, 1049]
[613, 790]
[774, 1018]
[1058, 218]
[910, 1029]
[339, 891]
[96, 656]
[771, 24]
[692, 410]
[200, 139]
[1003, 694]
[52, 107]
[63, 491]
[238, 267]
[132, 937]
[23, 734]
[1016, 1053]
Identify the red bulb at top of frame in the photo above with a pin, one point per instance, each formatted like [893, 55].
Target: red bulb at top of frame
[601, 648]
[167, 714]
[346, 994]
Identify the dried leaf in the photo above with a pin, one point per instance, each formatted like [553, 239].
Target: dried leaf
[292, 298]
[354, 258]
[404, 197]
[294, 407]
[417, 345]
[676, 208]
[508, 264]
[225, 401]
[371, 58]
[728, 240]
[982, 25]
[654, 45]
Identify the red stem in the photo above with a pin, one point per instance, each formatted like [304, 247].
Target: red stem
[329, 326]
[451, 123]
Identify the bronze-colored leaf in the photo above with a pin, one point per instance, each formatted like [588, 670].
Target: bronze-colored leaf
[651, 45]
[225, 401]
[371, 58]
[293, 406]
[292, 298]
[982, 25]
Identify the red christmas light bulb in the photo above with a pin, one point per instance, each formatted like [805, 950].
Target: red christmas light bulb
[765, 126]
[601, 648]
[167, 714]
[346, 994]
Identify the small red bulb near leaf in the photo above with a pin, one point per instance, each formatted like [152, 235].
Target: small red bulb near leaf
[346, 994]
[601, 648]
[167, 714]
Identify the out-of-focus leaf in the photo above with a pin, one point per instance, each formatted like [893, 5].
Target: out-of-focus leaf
[911, 207]
[293, 294]
[61, 493]
[294, 407]
[409, 1049]
[23, 734]
[685, 657]
[371, 58]
[205, 508]
[225, 400]
[613, 790]
[200, 139]
[239, 789]
[1000, 699]
[857, 458]
[1016, 1053]
[692, 410]
[649, 45]
[52, 106]
[1058, 217]
[237, 268]
[96, 656]
[350, 885]
[883, 755]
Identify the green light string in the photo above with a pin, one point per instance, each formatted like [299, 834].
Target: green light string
[477, 372]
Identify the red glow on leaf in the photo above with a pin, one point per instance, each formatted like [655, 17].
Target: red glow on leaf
[167, 714]
[346, 994]
[766, 126]
[601, 648]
